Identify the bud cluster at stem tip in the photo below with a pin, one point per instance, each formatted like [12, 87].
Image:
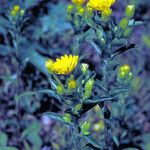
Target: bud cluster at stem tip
[124, 72]
[16, 10]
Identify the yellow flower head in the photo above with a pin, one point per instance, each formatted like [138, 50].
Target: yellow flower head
[63, 65]
[78, 2]
[100, 5]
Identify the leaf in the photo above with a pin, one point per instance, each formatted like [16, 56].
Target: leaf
[8, 148]
[30, 93]
[120, 42]
[116, 140]
[3, 139]
[26, 145]
[119, 91]
[34, 126]
[96, 47]
[122, 49]
[101, 99]
[5, 50]
[138, 23]
[31, 3]
[56, 117]
[93, 141]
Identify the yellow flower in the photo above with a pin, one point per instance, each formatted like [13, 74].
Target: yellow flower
[78, 2]
[100, 5]
[63, 65]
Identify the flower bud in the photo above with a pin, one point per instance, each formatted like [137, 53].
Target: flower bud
[130, 11]
[22, 12]
[77, 108]
[67, 118]
[121, 75]
[130, 75]
[16, 8]
[99, 126]
[70, 8]
[123, 23]
[81, 11]
[128, 32]
[87, 94]
[72, 84]
[60, 89]
[85, 128]
[106, 14]
[84, 68]
[89, 84]
[103, 41]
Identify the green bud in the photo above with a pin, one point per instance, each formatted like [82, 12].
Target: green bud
[22, 12]
[70, 8]
[130, 11]
[106, 14]
[84, 68]
[60, 89]
[127, 32]
[77, 108]
[81, 11]
[130, 75]
[67, 118]
[103, 41]
[89, 84]
[85, 128]
[87, 94]
[123, 23]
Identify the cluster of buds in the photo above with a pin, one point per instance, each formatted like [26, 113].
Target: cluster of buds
[77, 6]
[124, 23]
[16, 10]
[124, 73]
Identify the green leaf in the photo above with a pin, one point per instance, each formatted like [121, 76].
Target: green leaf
[138, 23]
[95, 101]
[93, 141]
[34, 126]
[30, 3]
[120, 42]
[8, 148]
[116, 140]
[3, 139]
[56, 117]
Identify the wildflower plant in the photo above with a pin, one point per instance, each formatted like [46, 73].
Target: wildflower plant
[81, 90]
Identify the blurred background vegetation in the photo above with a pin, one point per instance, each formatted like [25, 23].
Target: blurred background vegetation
[42, 32]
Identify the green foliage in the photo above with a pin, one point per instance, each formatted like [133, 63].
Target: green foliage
[39, 30]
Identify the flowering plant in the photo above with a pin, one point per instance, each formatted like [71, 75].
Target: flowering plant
[95, 24]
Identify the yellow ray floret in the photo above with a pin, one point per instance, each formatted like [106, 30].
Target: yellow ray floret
[63, 65]
[100, 5]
